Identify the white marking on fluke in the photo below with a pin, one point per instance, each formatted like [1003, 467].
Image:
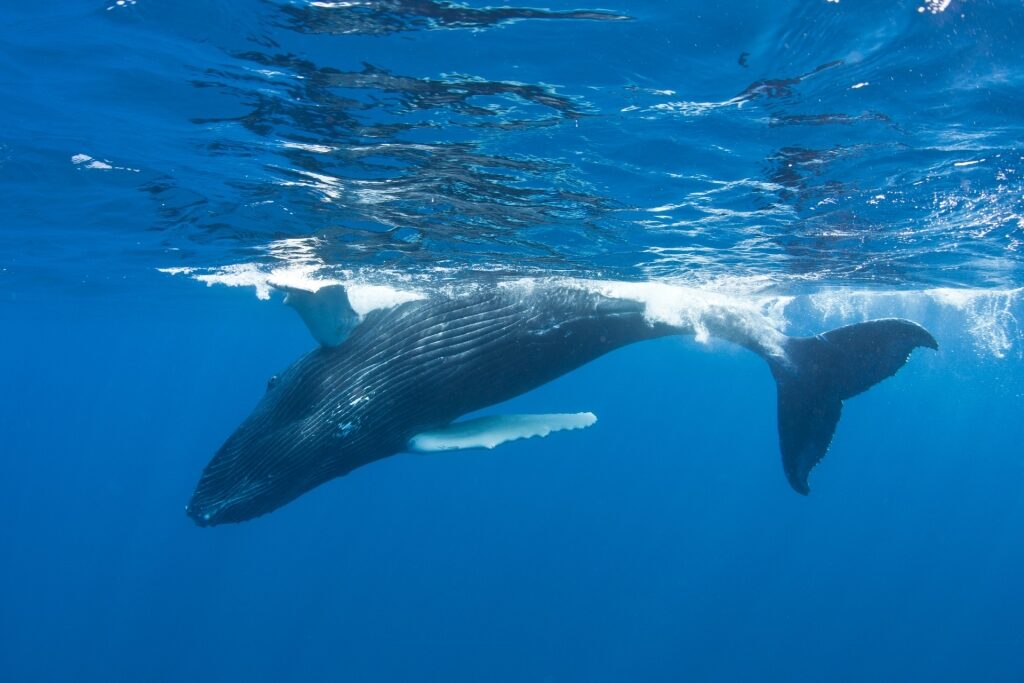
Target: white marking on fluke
[494, 430]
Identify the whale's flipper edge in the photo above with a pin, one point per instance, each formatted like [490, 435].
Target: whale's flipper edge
[494, 430]
[818, 373]
[327, 312]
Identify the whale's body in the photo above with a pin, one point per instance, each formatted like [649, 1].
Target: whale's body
[406, 373]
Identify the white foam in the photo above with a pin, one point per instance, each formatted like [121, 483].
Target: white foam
[933, 6]
[986, 319]
[177, 270]
[238, 275]
[89, 162]
[363, 297]
[704, 312]
[989, 315]
[304, 277]
[86, 161]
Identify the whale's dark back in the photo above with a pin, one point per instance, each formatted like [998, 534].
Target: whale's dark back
[404, 370]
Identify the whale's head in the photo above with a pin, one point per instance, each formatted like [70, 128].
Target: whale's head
[279, 452]
[247, 477]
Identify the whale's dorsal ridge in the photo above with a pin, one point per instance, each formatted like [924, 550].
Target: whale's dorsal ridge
[494, 430]
[327, 311]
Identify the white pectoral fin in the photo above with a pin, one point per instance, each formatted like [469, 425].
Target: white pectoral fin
[494, 430]
[326, 312]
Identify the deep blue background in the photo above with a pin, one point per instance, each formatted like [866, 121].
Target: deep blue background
[698, 142]
[663, 544]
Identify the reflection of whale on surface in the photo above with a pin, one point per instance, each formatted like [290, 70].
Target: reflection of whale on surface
[397, 378]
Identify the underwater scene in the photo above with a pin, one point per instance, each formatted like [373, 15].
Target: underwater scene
[554, 342]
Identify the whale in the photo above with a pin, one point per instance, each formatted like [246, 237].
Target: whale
[402, 376]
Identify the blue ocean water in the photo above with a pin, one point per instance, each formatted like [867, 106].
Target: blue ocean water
[165, 163]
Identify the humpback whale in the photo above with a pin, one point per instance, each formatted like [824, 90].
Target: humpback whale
[398, 378]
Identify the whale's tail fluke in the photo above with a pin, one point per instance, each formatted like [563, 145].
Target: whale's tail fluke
[818, 373]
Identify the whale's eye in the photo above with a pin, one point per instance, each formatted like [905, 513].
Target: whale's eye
[272, 382]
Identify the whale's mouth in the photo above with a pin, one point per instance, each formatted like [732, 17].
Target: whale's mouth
[212, 512]
[223, 500]
[200, 516]
[236, 487]
[227, 492]
[247, 476]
